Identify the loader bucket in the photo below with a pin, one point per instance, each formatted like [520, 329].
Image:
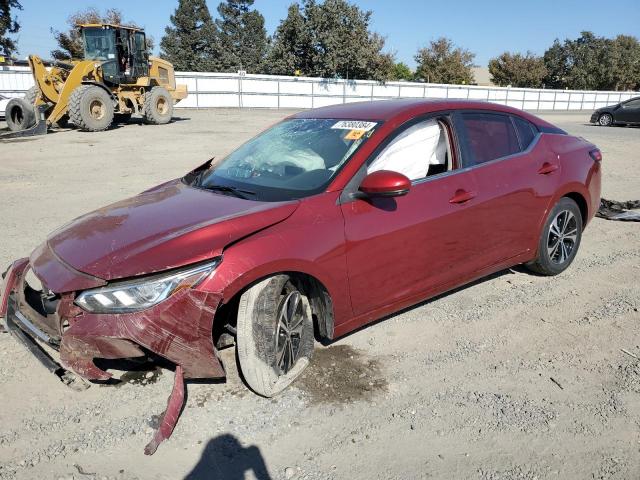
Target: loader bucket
[39, 128]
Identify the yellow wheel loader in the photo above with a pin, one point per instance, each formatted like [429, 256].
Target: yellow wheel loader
[116, 79]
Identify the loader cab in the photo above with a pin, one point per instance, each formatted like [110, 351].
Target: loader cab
[122, 52]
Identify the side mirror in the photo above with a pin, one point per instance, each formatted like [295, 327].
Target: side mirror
[385, 183]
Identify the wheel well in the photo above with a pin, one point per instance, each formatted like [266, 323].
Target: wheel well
[582, 205]
[319, 299]
[101, 85]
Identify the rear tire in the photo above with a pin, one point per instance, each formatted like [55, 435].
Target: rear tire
[158, 106]
[91, 108]
[20, 114]
[274, 335]
[560, 239]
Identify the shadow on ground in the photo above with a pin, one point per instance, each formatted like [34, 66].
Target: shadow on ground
[224, 458]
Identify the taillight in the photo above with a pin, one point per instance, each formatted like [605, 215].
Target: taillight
[596, 155]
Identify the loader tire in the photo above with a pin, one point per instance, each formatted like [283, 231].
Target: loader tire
[20, 114]
[158, 106]
[91, 108]
[32, 95]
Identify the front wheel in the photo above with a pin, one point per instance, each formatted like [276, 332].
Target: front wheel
[560, 239]
[91, 108]
[605, 120]
[275, 334]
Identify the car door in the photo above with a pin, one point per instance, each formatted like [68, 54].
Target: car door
[515, 176]
[628, 112]
[402, 247]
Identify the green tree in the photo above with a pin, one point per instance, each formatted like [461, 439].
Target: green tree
[556, 63]
[401, 71]
[70, 42]
[625, 63]
[581, 64]
[443, 62]
[291, 49]
[517, 70]
[331, 40]
[242, 38]
[190, 41]
[8, 25]
[594, 63]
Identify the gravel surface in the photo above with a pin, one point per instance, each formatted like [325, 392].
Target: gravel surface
[514, 377]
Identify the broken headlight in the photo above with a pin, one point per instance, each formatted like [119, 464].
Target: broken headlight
[135, 295]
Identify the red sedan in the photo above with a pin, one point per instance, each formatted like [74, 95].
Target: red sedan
[331, 219]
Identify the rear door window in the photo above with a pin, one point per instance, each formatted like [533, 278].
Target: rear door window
[489, 136]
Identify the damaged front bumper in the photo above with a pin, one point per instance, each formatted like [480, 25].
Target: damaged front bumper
[178, 329]
[62, 336]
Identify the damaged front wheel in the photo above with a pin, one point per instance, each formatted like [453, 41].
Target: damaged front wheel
[275, 334]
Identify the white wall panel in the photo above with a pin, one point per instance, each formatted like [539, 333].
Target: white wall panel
[386, 91]
[478, 94]
[300, 88]
[259, 86]
[221, 90]
[436, 92]
[295, 102]
[253, 101]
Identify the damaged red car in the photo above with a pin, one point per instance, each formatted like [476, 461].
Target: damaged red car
[331, 219]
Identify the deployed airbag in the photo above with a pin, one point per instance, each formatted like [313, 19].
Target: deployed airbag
[411, 152]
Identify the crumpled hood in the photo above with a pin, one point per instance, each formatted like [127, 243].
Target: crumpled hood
[166, 227]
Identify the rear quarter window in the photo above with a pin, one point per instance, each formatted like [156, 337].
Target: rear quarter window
[526, 131]
[489, 136]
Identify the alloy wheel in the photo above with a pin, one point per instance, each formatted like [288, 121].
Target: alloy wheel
[289, 331]
[605, 120]
[563, 234]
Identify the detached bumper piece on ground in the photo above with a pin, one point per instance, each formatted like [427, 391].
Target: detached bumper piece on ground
[624, 211]
[66, 339]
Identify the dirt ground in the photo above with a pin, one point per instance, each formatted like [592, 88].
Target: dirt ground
[513, 377]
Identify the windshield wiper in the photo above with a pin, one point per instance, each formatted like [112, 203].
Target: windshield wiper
[232, 190]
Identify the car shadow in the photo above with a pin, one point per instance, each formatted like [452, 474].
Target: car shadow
[224, 458]
[501, 273]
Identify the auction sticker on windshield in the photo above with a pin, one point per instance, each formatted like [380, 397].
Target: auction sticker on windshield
[354, 125]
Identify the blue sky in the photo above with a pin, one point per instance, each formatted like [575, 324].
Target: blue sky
[485, 27]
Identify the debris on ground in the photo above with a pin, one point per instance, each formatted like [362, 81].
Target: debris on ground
[623, 211]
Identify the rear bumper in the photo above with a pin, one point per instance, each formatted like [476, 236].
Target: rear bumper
[178, 329]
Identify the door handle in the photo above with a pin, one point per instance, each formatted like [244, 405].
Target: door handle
[547, 168]
[462, 196]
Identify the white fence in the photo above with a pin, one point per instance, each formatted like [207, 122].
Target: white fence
[230, 90]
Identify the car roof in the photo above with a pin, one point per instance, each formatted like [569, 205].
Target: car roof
[385, 110]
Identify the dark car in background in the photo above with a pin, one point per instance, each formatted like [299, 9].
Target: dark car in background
[623, 113]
